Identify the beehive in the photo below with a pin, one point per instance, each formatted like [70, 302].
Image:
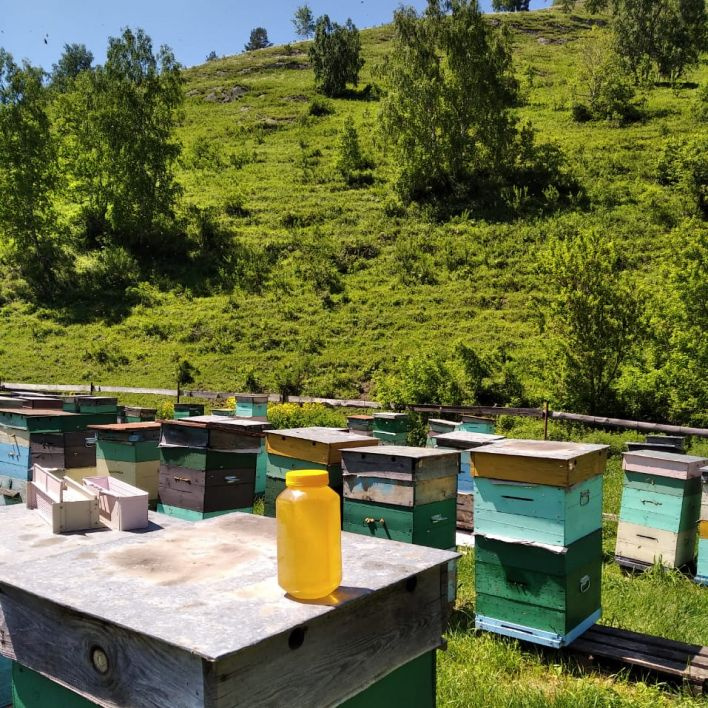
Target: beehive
[391, 428]
[314, 448]
[661, 503]
[476, 424]
[208, 465]
[538, 538]
[402, 493]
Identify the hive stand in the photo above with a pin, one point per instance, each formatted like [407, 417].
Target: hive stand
[228, 635]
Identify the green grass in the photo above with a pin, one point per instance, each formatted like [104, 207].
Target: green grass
[302, 221]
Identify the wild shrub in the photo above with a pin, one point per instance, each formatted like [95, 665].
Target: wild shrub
[351, 162]
[603, 89]
[335, 54]
[320, 107]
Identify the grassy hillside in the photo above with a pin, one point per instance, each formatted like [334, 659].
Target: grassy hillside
[338, 281]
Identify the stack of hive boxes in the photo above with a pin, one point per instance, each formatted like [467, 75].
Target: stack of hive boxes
[129, 452]
[661, 501]
[702, 565]
[255, 406]
[208, 466]
[391, 428]
[42, 432]
[475, 424]
[404, 494]
[438, 426]
[361, 424]
[464, 442]
[538, 538]
[188, 410]
[312, 448]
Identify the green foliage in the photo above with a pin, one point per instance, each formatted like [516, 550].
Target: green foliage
[666, 35]
[292, 415]
[594, 314]
[75, 59]
[603, 90]
[212, 56]
[319, 107]
[443, 142]
[351, 162]
[29, 228]
[336, 56]
[185, 371]
[701, 103]
[683, 165]
[258, 39]
[117, 124]
[510, 5]
[304, 22]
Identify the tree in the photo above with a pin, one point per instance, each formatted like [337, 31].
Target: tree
[510, 5]
[441, 138]
[668, 35]
[28, 178]
[212, 56]
[594, 316]
[258, 39]
[603, 89]
[304, 22]
[75, 59]
[336, 56]
[118, 125]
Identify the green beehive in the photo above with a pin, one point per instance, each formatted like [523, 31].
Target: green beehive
[188, 410]
[475, 424]
[252, 405]
[545, 594]
[391, 423]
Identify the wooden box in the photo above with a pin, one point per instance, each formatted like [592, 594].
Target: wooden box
[65, 504]
[15, 458]
[558, 464]
[237, 639]
[665, 503]
[133, 452]
[135, 414]
[278, 466]
[677, 441]
[466, 440]
[223, 412]
[178, 512]
[664, 464]
[557, 516]
[214, 433]
[476, 424]
[78, 474]
[431, 525]
[97, 404]
[400, 476]
[547, 589]
[128, 433]
[187, 410]
[704, 498]
[438, 425]
[702, 559]
[362, 424]
[252, 405]
[320, 445]
[63, 450]
[465, 511]
[392, 422]
[6, 683]
[44, 403]
[143, 475]
[653, 447]
[390, 438]
[120, 506]
[205, 459]
[205, 491]
[41, 421]
[7, 402]
[649, 545]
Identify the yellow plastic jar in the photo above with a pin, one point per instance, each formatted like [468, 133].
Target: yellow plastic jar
[309, 524]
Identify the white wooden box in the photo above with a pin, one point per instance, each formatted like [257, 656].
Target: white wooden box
[120, 506]
[649, 545]
[704, 498]
[664, 464]
[63, 503]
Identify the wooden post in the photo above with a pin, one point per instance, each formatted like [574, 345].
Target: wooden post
[91, 388]
[178, 391]
[545, 420]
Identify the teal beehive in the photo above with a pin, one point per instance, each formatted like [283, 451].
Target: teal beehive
[557, 516]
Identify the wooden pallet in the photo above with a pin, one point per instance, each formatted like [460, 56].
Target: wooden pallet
[683, 662]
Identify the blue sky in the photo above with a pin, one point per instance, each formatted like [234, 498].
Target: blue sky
[192, 29]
